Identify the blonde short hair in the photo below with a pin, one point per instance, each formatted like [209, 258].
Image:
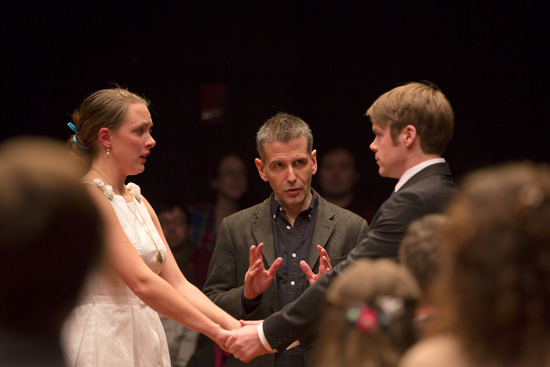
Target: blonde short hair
[421, 105]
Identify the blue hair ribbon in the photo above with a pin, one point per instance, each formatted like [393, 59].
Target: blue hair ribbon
[73, 128]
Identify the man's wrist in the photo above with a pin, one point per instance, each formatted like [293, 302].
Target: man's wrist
[263, 339]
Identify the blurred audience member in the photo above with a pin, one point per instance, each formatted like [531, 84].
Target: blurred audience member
[338, 175]
[493, 291]
[193, 261]
[228, 183]
[50, 237]
[420, 254]
[368, 316]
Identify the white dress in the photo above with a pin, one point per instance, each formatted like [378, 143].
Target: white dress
[111, 326]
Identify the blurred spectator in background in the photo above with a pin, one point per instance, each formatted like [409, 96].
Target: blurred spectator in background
[367, 320]
[338, 174]
[193, 261]
[175, 221]
[228, 184]
[50, 237]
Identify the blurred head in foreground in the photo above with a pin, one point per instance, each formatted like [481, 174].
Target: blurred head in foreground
[49, 235]
[368, 319]
[494, 287]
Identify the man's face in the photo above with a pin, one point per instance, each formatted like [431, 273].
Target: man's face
[389, 156]
[288, 168]
[175, 227]
[337, 174]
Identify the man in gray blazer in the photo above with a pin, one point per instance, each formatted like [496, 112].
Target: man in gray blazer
[267, 255]
[412, 125]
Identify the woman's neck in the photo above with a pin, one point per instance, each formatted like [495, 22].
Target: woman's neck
[111, 176]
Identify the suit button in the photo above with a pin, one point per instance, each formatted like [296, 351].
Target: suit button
[272, 309]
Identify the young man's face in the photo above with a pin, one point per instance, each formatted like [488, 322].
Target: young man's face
[390, 156]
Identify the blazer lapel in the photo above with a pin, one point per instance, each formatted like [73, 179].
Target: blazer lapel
[262, 227]
[324, 226]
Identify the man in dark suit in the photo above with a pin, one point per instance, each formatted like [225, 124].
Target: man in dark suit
[295, 234]
[412, 125]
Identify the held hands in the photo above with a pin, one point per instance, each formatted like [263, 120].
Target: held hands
[257, 279]
[221, 338]
[324, 266]
[245, 344]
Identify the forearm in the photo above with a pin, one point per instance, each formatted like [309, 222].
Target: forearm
[158, 294]
[206, 306]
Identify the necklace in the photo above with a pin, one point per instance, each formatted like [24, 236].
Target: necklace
[143, 223]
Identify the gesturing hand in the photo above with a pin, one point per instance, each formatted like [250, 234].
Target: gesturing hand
[257, 279]
[324, 266]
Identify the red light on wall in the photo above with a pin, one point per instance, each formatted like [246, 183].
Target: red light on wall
[213, 103]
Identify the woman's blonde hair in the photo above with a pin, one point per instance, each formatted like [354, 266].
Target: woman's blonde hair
[103, 108]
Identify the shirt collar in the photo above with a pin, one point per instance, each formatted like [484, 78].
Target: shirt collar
[277, 208]
[414, 170]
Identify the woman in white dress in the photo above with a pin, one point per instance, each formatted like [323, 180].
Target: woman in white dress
[116, 321]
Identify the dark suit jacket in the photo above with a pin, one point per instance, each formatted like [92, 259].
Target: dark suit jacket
[426, 192]
[336, 229]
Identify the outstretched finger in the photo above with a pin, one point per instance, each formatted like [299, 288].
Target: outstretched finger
[256, 267]
[323, 252]
[252, 259]
[259, 249]
[325, 266]
[276, 265]
[307, 270]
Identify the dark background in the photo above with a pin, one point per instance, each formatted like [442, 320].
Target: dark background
[325, 61]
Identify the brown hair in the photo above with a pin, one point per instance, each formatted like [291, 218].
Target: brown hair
[103, 108]
[341, 343]
[282, 127]
[420, 248]
[494, 287]
[421, 105]
[50, 235]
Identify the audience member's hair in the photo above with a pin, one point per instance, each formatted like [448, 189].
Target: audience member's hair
[282, 127]
[340, 147]
[421, 105]
[389, 292]
[495, 274]
[170, 204]
[49, 235]
[103, 108]
[420, 248]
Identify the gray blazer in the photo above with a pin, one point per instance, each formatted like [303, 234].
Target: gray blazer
[336, 229]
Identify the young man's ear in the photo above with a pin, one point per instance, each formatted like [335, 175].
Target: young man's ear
[409, 135]
[261, 169]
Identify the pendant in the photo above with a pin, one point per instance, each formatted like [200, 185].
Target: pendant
[159, 257]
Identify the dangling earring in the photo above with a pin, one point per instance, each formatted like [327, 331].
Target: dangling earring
[107, 151]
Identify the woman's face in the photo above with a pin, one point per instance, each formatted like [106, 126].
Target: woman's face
[132, 142]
